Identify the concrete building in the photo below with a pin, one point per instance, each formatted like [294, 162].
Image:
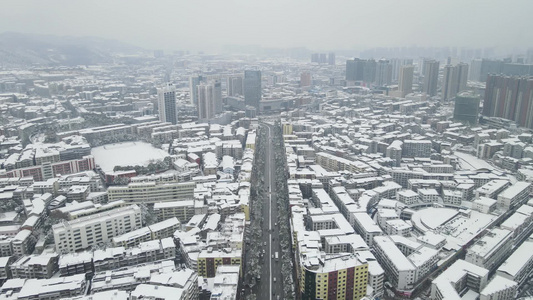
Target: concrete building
[167, 104]
[458, 277]
[383, 73]
[491, 250]
[405, 262]
[81, 233]
[157, 231]
[305, 79]
[195, 81]
[210, 259]
[431, 77]
[514, 195]
[336, 276]
[416, 148]
[499, 288]
[152, 192]
[466, 108]
[405, 81]
[234, 85]
[252, 88]
[507, 97]
[454, 80]
[519, 265]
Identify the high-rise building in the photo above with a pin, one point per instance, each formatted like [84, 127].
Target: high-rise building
[475, 70]
[431, 77]
[331, 59]
[383, 72]
[509, 98]
[194, 81]
[454, 80]
[361, 70]
[252, 88]
[354, 70]
[489, 66]
[305, 79]
[234, 85]
[338, 276]
[405, 83]
[209, 100]
[322, 58]
[167, 104]
[315, 57]
[466, 108]
[397, 63]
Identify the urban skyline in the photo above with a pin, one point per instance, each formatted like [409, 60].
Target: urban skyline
[237, 150]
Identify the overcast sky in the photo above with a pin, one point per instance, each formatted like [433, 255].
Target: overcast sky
[317, 25]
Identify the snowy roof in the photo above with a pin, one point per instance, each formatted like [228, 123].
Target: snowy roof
[393, 253]
[497, 284]
[518, 260]
[156, 292]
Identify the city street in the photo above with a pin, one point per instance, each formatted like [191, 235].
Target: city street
[271, 283]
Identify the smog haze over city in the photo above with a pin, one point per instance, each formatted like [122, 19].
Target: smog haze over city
[319, 25]
[266, 150]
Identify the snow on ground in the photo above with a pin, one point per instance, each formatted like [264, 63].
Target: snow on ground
[123, 154]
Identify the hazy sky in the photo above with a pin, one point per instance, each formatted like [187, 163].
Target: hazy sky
[318, 25]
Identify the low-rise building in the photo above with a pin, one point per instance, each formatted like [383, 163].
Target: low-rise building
[84, 232]
[491, 250]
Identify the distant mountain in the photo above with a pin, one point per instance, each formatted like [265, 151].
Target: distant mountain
[30, 49]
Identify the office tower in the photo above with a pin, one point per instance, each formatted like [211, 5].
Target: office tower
[194, 81]
[509, 98]
[209, 100]
[405, 83]
[234, 85]
[167, 104]
[466, 108]
[305, 79]
[431, 77]
[383, 73]
[252, 88]
[331, 58]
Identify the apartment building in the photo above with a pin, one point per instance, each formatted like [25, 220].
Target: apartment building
[152, 192]
[155, 231]
[405, 262]
[519, 265]
[491, 250]
[35, 266]
[514, 195]
[117, 257]
[209, 260]
[333, 276]
[416, 148]
[458, 277]
[84, 232]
